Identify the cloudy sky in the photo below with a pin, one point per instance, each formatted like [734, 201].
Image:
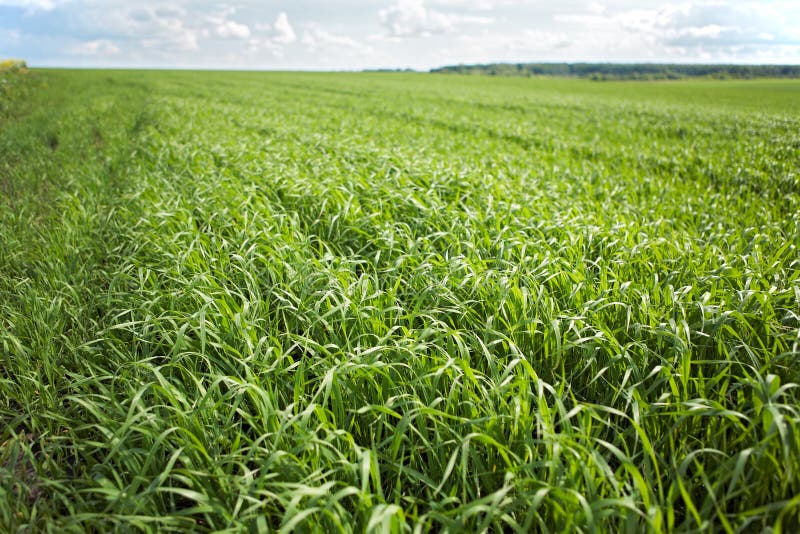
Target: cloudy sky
[356, 34]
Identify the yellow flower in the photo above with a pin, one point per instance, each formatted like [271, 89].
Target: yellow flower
[13, 65]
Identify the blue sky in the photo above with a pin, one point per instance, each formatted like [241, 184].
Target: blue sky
[356, 34]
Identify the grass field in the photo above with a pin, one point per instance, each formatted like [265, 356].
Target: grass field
[254, 301]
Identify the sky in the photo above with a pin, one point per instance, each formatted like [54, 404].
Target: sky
[418, 34]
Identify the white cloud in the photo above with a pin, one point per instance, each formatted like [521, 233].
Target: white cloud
[97, 48]
[710, 31]
[229, 29]
[10, 36]
[410, 18]
[274, 37]
[257, 44]
[478, 5]
[284, 33]
[315, 37]
[226, 28]
[522, 45]
[713, 30]
[33, 5]
[541, 40]
[712, 25]
[165, 29]
[596, 8]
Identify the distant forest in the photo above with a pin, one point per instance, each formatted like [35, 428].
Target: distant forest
[626, 71]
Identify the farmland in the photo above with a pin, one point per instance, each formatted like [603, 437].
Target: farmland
[256, 301]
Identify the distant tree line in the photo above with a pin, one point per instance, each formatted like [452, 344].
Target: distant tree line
[626, 71]
[389, 70]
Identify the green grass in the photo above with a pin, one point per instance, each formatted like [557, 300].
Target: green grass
[241, 301]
